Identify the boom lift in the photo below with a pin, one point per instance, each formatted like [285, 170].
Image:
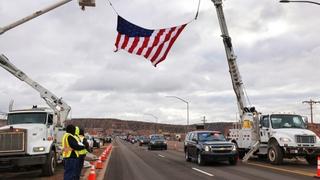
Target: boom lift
[275, 136]
[32, 137]
[247, 113]
[59, 106]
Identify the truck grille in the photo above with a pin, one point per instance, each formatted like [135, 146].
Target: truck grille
[305, 139]
[11, 141]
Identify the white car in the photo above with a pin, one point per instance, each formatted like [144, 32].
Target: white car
[90, 141]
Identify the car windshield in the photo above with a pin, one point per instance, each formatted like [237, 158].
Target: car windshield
[157, 138]
[211, 136]
[287, 121]
[23, 118]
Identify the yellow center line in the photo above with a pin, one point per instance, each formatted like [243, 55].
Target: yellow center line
[284, 170]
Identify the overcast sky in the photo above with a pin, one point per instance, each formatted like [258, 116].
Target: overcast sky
[70, 52]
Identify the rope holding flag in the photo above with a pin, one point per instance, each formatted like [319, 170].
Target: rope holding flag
[197, 14]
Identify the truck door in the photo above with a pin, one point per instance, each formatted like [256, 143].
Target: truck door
[264, 129]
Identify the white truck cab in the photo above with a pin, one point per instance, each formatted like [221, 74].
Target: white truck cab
[28, 139]
[280, 136]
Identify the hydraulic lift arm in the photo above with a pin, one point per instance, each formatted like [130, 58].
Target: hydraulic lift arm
[60, 107]
[246, 113]
[82, 3]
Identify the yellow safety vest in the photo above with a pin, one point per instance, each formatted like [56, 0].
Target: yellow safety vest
[66, 149]
[83, 151]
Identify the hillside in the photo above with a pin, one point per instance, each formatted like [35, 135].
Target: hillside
[109, 126]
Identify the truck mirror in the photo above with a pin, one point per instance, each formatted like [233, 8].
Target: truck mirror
[305, 120]
[50, 119]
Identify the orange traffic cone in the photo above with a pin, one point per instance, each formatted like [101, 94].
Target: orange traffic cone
[318, 168]
[103, 157]
[99, 164]
[92, 174]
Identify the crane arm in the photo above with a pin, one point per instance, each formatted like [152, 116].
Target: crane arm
[237, 83]
[60, 107]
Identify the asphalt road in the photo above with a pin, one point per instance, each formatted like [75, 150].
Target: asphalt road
[132, 162]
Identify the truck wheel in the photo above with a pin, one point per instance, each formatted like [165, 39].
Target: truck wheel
[312, 160]
[200, 160]
[275, 154]
[49, 167]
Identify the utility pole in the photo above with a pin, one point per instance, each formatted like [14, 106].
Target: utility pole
[311, 103]
[204, 120]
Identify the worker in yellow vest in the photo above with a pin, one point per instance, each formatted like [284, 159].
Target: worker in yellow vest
[70, 153]
[82, 153]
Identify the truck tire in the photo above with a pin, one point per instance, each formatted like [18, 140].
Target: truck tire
[49, 167]
[275, 154]
[312, 160]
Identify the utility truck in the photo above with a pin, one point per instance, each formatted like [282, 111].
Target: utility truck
[32, 137]
[275, 136]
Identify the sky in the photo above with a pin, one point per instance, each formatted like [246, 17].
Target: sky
[70, 52]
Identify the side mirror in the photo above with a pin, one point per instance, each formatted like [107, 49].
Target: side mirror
[305, 120]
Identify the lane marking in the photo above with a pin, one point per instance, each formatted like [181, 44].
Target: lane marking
[203, 172]
[284, 170]
[161, 155]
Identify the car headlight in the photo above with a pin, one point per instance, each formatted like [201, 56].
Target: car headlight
[283, 139]
[152, 142]
[165, 142]
[39, 149]
[142, 141]
[206, 148]
[234, 148]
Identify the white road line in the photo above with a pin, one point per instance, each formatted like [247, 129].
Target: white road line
[161, 155]
[203, 172]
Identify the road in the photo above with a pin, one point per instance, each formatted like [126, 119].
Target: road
[132, 162]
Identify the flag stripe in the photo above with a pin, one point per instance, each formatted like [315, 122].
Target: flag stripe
[134, 44]
[118, 40]
[125, 42]
[144, 45]
[155, 43]
[167, 38]
[170, 44]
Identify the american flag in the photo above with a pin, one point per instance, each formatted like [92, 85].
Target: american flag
[152, 44]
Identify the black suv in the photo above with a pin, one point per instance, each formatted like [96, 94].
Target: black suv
[157, 141]
[205, 146]
[143, 140]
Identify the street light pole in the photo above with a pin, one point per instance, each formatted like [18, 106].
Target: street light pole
[187, 109]
[156, 118]
[288, 1]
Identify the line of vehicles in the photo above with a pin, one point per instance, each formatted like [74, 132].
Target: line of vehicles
[154, 141]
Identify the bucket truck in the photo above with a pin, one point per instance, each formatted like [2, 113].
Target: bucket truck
[272, 136]
[33, 136]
